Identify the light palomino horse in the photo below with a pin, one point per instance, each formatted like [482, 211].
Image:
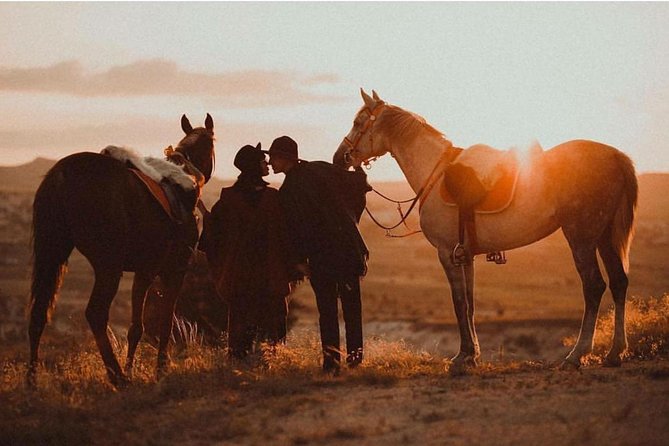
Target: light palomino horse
[586, 188]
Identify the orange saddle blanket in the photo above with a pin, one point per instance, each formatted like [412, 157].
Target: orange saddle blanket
[156, 191]
[496, 199]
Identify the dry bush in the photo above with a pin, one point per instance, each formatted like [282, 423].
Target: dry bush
[647, 322]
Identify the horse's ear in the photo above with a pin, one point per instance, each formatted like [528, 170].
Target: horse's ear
[369, 102]
[376, 96]
[209, 123]
[185, 125]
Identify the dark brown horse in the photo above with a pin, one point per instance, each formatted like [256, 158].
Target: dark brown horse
[94, 203]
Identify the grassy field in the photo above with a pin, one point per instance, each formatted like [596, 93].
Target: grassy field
[400, 395]
[528, 314]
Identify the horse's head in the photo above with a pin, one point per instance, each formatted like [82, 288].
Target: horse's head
[364, 141]
[198, 145]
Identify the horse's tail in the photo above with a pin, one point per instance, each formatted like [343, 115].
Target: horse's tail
[52, 246]
[623, 221]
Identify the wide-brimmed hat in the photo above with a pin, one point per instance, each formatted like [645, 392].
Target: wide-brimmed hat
[248, 158]
[283, 147]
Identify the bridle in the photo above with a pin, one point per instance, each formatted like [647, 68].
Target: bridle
[183, 159]
[367, 126]
[424, 191]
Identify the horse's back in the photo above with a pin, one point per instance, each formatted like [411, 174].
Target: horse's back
[88, 166]
[584, 161]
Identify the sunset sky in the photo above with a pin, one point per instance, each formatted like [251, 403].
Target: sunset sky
[80, 76]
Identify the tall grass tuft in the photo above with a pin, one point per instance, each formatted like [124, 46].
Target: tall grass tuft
[647, 322]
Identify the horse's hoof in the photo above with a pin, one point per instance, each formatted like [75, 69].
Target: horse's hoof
[612, 361]
[161, 372]
[120, 382]
[569, 365]
[31, 381]
[461, 365]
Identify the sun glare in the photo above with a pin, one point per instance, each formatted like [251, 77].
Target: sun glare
[526, 154]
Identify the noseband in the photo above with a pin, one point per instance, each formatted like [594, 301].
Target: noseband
[367, 126]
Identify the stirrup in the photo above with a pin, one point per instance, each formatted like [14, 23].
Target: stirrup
[459, 256]
[499, 257]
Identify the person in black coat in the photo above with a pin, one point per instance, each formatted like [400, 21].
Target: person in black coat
[248, 250]
[322, 205]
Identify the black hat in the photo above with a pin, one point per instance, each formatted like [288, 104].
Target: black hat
[283, 147]
[248, 158]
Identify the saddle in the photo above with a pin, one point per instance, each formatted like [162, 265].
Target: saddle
[479, 180]
[465, 186]
[170, 186]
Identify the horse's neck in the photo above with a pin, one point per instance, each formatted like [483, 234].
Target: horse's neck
[418, 159]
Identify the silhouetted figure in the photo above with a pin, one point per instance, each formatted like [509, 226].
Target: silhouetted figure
[322, 204]
[246, 244]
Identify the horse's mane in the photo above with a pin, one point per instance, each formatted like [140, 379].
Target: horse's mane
[404, 126]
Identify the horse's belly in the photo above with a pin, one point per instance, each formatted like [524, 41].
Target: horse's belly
[529, 218]
[505, 234]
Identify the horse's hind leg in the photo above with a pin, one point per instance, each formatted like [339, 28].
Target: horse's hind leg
[585, 257]
[618, 284]
[97, 314]
[461, 280]
[140, 286]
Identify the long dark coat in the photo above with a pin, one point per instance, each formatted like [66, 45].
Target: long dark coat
[248, 253]
[322, 205]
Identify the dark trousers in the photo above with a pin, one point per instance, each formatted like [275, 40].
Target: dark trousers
[252, 320]
[327, 290]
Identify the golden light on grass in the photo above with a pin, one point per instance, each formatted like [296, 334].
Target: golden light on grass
[74, 401]
[647, 330]
[77, 378]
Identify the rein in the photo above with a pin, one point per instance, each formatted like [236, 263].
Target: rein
[422, 194]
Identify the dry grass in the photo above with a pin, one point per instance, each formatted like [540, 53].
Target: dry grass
[75, 404]
[74, 374]
[647, 322]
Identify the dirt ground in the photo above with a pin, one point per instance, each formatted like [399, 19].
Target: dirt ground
[534, 406]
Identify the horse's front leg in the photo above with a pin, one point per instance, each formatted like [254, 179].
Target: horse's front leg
[172, 282]
[140, 286]
[461, 280]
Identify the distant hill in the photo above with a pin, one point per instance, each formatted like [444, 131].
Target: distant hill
[653, 187]
[25, 177]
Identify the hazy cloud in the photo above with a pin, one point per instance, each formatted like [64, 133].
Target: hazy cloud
[150, 135]
[160, 77]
